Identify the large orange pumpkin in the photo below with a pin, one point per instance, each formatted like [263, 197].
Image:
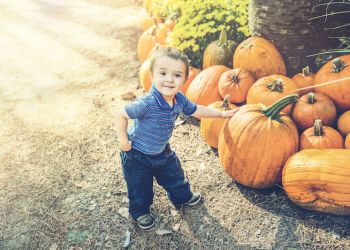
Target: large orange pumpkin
[339, 91]
[219, 52]
[193, 72]
[211, 127]
[321, 137]
[148, 39]
[259, 56]
[313, 106]
[344, 123]
[204, 88]
[145, 75]
[236, 83]
[269, 89]
[304, 79]
[147, 21]
[255, 143]
[318, 179]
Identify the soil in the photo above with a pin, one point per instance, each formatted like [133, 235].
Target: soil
[64, 68]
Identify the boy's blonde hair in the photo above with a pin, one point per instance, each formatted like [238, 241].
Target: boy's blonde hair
[172, 53]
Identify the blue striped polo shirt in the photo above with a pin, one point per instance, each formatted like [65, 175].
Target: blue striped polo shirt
[154, 120]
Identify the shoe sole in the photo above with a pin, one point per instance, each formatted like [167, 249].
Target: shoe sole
[194, 203]
[146, 227]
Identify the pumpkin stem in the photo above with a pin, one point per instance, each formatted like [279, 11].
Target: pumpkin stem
[223, 38]
[311, 98]
[235, 79]
[306, 71]
[276, 85]
[226, 102]
[274, 109]
[318, 129]
[338, 65]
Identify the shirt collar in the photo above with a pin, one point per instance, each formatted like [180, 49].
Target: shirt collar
[160, 99]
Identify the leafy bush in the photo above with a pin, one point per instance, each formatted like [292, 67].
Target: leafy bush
[199, 22]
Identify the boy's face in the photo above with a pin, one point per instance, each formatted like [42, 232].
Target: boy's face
[168, 76]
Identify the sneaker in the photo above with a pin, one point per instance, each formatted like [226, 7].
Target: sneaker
[145, 221]
[194, 199]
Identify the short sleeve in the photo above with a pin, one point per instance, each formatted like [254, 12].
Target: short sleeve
[188, 107]
[136, 109]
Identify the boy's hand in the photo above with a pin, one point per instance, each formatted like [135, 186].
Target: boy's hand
[125, 146]
[229, 113]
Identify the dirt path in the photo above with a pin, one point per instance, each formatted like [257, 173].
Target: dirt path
[63, 67]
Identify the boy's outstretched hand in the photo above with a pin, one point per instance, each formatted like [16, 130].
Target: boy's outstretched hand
[229, 113]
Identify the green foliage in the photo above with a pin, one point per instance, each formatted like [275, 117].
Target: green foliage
[199, 22]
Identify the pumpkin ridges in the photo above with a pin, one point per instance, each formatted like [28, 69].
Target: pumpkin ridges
[241, 140]
[343, 123]
[260, 93]
[204, 88]
[339, 92]
[320, 184]
[210, 128]
[305, 113]
[259, 56]
[236, 83]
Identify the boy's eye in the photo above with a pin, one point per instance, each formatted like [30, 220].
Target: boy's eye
[178, 75]
[163, 73]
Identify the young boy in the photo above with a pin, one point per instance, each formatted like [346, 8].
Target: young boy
[145, 152]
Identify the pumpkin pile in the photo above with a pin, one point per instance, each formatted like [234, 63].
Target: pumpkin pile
[293, 130]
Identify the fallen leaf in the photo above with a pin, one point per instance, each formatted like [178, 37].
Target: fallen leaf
[54, 246]
[202, 166]
[127, 239]
[93, 205]
[163, 232]
[199, 151]
[123, 211]
[179, 122]
[173, 212]
[176, 227]
[128, 96]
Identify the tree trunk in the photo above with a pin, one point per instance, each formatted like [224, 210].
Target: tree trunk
[286, 23]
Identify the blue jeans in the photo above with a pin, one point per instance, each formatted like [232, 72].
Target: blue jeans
[139, 170]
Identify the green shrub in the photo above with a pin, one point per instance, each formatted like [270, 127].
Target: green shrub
[199, 22]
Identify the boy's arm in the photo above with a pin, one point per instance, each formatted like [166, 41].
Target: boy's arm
[203, 111]
[122, 127]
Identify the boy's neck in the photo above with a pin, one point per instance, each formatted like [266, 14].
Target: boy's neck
[169, 99]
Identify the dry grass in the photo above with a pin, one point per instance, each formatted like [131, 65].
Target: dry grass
[61, 185]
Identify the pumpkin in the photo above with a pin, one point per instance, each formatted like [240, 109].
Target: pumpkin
[236, 83]
[193, 72]
[269, 89]
[338, 91]
[304, 80]
[344, 123]
[170, 23]
[318, 179]
[148, 39]
[147, 22]
[145, 75]
[211, 127]
[204, 88]
[219, 52]
[321, 137]
[255, 143]
[259, 56]
[313, 106]
[347, 141]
